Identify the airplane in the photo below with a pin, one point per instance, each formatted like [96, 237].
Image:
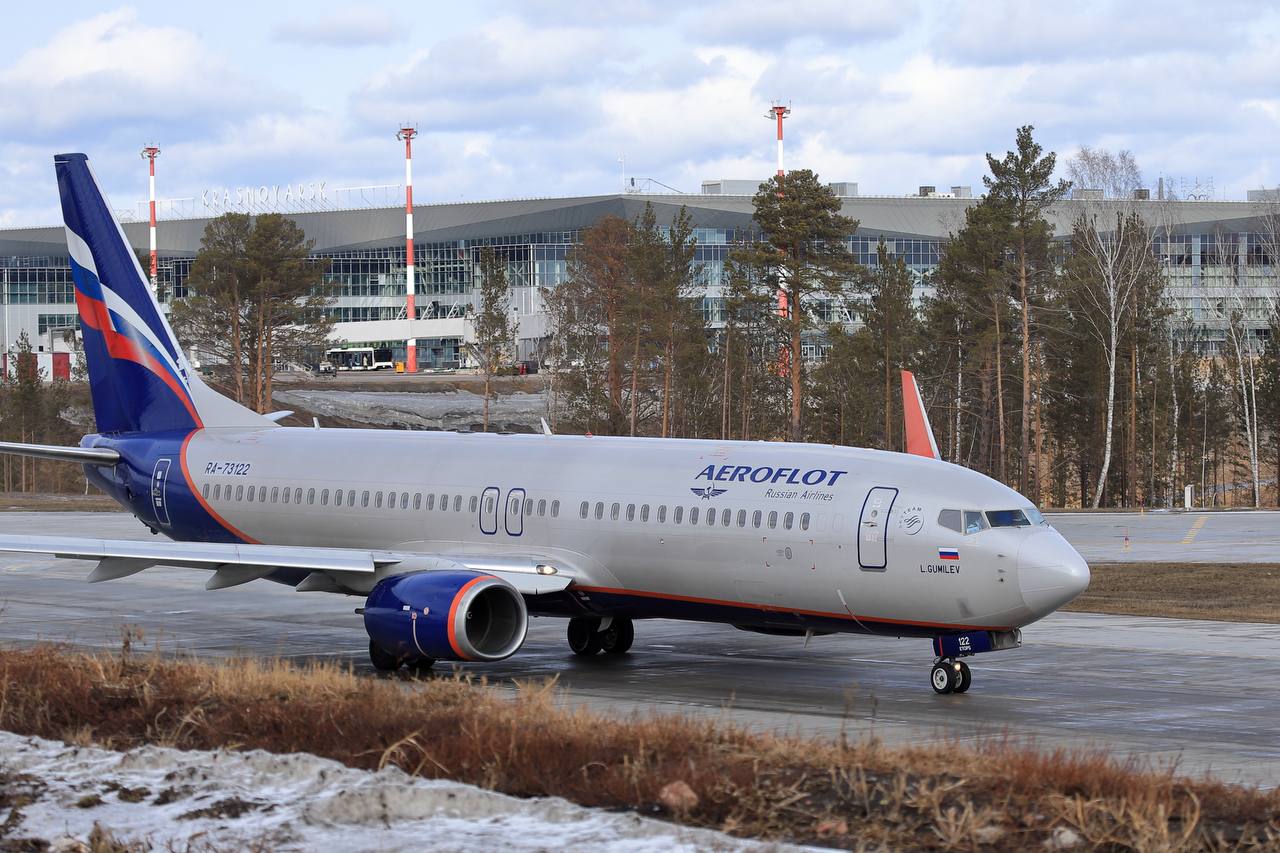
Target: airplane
[455, 540]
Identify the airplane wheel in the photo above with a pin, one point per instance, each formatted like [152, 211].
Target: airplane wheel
[617, 638]
[382, 660]
[584, 637]
[965, 678]
[420, 666]
[943, 677]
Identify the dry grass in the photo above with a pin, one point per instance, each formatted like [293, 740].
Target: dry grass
[1230, 592]
[1000, 795]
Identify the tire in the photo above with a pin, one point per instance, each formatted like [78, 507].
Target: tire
[584, 637]
[942, 678]
[617, 638]
[420, 666]
[966, 678]
[382, 660]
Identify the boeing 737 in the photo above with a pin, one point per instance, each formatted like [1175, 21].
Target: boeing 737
[454, 540]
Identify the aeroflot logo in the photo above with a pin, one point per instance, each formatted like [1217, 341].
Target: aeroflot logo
[767, 474]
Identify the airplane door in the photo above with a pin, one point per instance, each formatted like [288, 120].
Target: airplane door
[515, 512]
[489, 510]
[159, 482]
[873, 528]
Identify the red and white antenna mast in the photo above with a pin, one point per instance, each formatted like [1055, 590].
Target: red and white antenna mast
[779, 111]
[407, 133]
[149, 154]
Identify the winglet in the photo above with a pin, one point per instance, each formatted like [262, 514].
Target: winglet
[916, 420]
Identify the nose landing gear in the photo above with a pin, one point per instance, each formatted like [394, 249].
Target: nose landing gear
[950, 676]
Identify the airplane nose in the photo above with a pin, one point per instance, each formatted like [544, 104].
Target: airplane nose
[1050, 572]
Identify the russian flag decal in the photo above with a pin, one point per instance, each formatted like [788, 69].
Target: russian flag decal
[948, 553]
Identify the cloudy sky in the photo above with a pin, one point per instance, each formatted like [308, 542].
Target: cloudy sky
[543, 97]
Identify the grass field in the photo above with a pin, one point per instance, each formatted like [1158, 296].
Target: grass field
[1232, 592]
[998, 795]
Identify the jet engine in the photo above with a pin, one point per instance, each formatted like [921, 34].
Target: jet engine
[448, 615]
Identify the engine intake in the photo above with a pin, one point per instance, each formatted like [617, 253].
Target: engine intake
[446, 615]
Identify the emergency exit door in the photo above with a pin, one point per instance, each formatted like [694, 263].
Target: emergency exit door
[873, 528]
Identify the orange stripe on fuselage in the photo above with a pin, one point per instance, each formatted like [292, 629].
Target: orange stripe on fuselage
[191, 487]
[773, 609]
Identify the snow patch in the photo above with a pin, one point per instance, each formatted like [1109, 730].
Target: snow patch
[301, 802]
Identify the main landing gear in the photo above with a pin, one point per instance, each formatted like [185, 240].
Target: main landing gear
[950, 676]
[384, 661]
[589, 636]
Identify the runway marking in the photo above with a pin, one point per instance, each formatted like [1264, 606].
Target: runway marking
[1195, 528]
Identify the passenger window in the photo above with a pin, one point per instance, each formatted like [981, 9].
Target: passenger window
[284, 496]
[351, 497]
[204, 490]
[275, 494]
[804, 521]
[644, 512]
[678, 514]
[973, 522]
[473, 503]
[631, 512]
[417, 500]
[217, 492]
[662, 513]
[788, 520]
[711, 516]
[614, 512]
[755, 519]
[444, 502]
[364, 499]
[726, 518]
[297, 495]
[528, 507]
[542, 508]
[311, 497]
[555, 509]
[693, 515]
[773, 519]
[252, 489]
[599, 510]
[239, 493]
[404, 500]
[377, 500]
[950, 519]
[431, 501]
[457, 503]
[742, 518]
[582, 510]
[391, 500]
[324, 497]
[513, 507]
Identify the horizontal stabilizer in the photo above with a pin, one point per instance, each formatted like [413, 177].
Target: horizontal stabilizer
[915, 419]
[89, 455]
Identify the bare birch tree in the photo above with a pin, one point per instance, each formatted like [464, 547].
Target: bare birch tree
[1112, 250]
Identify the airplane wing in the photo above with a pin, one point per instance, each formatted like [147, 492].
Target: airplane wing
[920, 440]
[331, 569]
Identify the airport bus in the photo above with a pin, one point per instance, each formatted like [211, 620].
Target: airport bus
[361, 358]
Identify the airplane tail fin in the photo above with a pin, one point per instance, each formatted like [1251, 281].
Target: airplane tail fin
[139, 378]
[920, 440]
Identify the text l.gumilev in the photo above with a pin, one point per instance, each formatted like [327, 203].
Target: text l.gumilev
[938, 569]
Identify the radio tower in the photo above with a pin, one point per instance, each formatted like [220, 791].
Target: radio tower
[149, 154]
[780, 111]
[407, 133]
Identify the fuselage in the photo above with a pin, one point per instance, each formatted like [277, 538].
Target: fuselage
[758, 534]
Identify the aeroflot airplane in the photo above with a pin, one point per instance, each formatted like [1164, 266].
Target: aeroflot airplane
[456, 539]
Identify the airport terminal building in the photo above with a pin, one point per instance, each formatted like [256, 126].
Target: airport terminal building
[1218, 253]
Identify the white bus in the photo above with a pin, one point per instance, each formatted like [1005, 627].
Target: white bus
[361, 358]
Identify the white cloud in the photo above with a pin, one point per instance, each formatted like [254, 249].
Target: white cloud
[357, 26]
[112, 69]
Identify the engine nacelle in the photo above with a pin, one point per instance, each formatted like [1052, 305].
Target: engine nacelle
[446, 615]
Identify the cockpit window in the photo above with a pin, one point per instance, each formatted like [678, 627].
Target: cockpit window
[950, 519]
[1035, 516]
[973, 522]
[1012, 518]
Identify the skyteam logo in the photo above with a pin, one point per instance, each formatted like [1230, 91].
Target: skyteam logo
[769, 475]
[708, 493]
